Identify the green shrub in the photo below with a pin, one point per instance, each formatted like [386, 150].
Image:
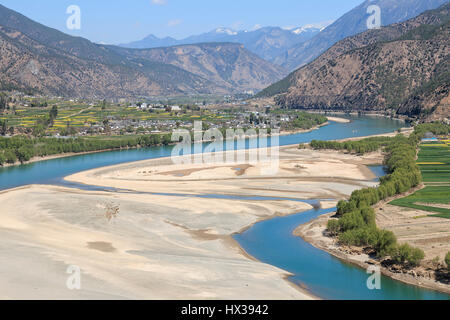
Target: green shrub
[416, 256]
[333, 226]
[359, 237]
[24, 153]
[351, 220]
[10, 156]
[401, 253]
[384, 242]
[405, 253]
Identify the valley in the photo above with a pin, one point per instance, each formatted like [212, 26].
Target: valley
[297, 151]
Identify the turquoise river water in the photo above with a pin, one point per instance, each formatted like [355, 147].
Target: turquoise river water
[269, 241]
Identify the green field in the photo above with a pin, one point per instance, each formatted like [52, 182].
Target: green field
[434, 163]
[429, 195]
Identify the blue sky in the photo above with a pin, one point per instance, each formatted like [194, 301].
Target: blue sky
[120, 21]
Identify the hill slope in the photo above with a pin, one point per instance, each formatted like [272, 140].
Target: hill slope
[403, 67]
[40, 59]
[352, 23]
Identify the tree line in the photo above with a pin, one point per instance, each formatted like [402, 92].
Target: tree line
[356, 218]
[23, 148]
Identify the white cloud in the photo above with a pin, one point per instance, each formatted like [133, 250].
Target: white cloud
[175, 22]
[159, 2]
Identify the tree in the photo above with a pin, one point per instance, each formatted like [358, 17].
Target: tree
[333, 227]
[416, 256]
[405, 253]
[3, 100]
[2, 159]
[401, 253]
[24, 153]
[3, 127]
[53, 114]
[384, 242]
[10, 156]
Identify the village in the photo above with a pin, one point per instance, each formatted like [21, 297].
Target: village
[61, 117]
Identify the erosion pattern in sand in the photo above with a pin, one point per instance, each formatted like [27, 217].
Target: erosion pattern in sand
[161, 246]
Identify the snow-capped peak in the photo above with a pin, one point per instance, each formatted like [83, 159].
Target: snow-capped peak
[304, 29]
[311, 27]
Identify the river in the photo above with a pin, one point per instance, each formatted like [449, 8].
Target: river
[270, 241]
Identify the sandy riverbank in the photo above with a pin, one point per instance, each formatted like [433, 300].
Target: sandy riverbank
[338, 120]
[156, 248]
[303, 174]
[163, 246]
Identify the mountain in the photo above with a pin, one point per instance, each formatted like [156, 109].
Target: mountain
[228, 65]
[402, 68]
[151, 41]
[30, 66]
[39, 59]
[267, 42]
[352, 23]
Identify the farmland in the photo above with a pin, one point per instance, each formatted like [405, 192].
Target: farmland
[80, 116]
[434, 163]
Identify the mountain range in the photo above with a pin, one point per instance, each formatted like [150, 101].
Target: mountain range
[38, 59]
[403, 68]
[352, 23]
[35, 58]
[294, 48]
[267, 42]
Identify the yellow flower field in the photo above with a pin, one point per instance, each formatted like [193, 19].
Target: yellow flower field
[435, 163]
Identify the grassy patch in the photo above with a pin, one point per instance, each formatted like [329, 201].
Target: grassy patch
[431, 195]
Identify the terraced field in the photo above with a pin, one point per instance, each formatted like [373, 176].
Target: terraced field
[84, 116]
[434, 162]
